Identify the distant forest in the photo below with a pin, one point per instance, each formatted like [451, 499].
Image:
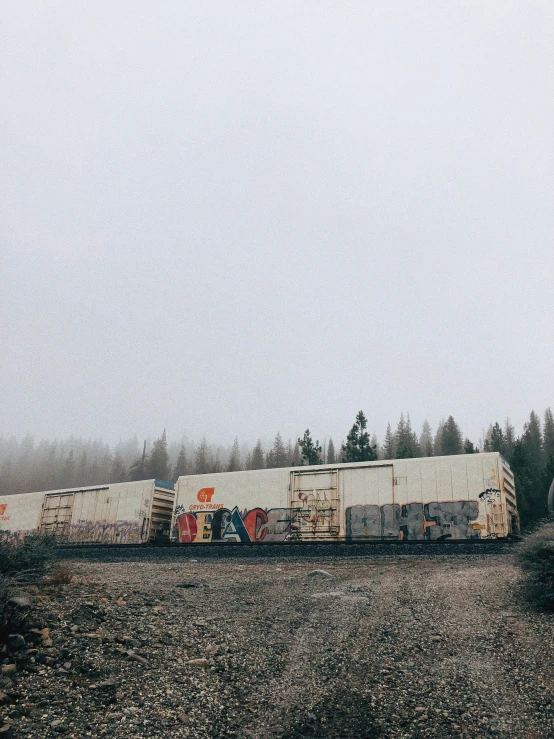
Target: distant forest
[27, 465]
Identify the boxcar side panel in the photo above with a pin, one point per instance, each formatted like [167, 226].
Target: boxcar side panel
[239, 506]
[20, 514]
[116, 514]
[429, 498]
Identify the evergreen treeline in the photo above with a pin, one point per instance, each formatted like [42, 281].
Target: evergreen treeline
[27, 466]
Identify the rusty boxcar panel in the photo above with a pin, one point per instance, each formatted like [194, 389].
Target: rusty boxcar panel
[428, 498]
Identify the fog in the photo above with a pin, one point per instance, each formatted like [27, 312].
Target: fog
[236, 218]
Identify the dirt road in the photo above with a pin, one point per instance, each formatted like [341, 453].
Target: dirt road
[400, 647]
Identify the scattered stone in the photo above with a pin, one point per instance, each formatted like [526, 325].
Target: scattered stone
[137, 658]
[16, 641]
[20, 601]
[201, 662]
[319, 573]
[8, 670]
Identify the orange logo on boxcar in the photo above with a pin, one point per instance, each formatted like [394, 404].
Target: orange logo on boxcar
[205, 495]
[3, 508]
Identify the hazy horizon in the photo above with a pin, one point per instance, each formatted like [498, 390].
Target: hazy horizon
[236, 219]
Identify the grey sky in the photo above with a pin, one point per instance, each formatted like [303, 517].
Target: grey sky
[241, 217]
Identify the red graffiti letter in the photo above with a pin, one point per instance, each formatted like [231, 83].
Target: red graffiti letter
[255, 523]
[186, 523]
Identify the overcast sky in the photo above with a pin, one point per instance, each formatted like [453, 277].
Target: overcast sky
[241, 217]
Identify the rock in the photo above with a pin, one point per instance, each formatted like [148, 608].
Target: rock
[47, 643]
[137, 658]
[187, 585]
[419, 709]
[6, 731]
[20, 601]
[319, 573]
[183, 718]
[4, 699]
[106, 685]
[16, 641]
[202, 662]
[8, 670]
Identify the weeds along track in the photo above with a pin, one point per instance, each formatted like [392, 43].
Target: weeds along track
[307, 550]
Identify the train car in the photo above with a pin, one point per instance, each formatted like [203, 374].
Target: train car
[470, 496]
[117, 513]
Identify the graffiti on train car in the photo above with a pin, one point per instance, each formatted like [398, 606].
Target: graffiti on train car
[120, 532]
[227, 525]
[414, 521]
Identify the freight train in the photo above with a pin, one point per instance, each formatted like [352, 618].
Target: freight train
[463, 497]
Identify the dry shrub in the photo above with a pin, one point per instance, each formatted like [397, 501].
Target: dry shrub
[536, 557]
[31, 554]
[62, 574]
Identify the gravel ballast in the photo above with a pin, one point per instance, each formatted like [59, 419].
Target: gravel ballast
[363, 647]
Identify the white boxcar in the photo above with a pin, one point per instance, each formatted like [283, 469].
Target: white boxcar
[118, 513]
[470, 496]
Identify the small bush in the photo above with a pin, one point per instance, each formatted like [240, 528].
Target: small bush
[31, 554]
[62, 574]
[536, 557]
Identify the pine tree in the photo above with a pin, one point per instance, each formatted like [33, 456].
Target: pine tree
[138, 470]
[216, 465]
[389, 445]
[426, 440]
[290, 452]
[358, 447]
[257, 457]
[118, 473]
[548, 434]
[181, 465]
[158, 464]
[451, 441]
[234, 458]
[202, 458]
[469, 448]
[82, 469]
[531, 492]
[509, 439]
[405, 439]
[279, 452]
[311, 453]
[437, 445]
[296, 455]
[331, 458]
[496, 439]
[68, 474]
[532, 438]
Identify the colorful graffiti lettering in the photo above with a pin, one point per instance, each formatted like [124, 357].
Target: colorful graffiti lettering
[3, 507]
[232, 526]
[121, 532]
[413, 521]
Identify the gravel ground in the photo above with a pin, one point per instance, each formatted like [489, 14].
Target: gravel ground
[385, 647]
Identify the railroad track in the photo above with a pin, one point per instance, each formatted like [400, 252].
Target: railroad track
[302, 550]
